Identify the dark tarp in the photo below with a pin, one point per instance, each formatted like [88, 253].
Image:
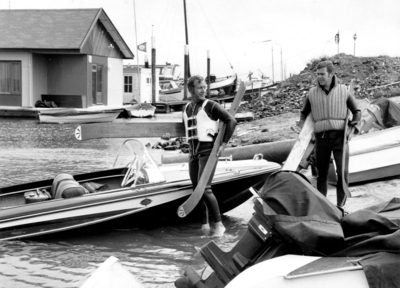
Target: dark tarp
[382, 270]
[301, 208]
[390, 112]
[311, 221]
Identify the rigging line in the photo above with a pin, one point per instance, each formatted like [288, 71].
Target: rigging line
[173, 28]
[159, 23]
[216, 37]
[168, 10]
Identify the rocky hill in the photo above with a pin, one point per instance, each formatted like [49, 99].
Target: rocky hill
[373, 77]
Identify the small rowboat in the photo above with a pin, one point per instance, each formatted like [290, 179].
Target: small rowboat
[143, 110]
[71, 115]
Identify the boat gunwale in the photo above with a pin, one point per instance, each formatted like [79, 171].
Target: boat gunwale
[50, 209]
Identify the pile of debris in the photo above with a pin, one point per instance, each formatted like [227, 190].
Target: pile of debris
[373, 77]
[172, 144]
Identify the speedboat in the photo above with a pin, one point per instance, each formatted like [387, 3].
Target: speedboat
[134, 186]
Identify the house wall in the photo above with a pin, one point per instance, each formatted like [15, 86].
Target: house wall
[100, 43]
[99, 61]
[145, 86]
[39, 76]
[115, 83]
[67, 74]
[25, 99]
[128, 96]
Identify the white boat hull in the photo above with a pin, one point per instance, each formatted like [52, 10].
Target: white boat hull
[375, 155]
[273, 274]
[111, 274]
[80, 119]
[142, 111]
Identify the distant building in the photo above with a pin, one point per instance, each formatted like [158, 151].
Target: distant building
[73, 57]
[165, 78]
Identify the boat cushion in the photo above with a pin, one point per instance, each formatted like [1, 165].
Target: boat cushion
[57, 180]
[92, 187]
[65, 186]
[69, 189]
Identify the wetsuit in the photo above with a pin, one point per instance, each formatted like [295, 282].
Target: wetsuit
[199, 153]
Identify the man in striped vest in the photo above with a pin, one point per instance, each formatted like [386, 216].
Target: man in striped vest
[328, 103]
[201, 117]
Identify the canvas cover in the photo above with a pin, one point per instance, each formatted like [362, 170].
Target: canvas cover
[307, 219]
[390, 112]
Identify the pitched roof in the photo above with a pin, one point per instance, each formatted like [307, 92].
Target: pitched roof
[53, 29]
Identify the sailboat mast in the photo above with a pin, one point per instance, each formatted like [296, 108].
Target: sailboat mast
[137, 58]
[187, 36]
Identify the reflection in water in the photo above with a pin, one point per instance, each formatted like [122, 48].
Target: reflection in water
[31, 151]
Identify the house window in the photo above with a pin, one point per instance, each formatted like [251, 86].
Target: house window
[128, 84]
[148, 80]
[10, 77]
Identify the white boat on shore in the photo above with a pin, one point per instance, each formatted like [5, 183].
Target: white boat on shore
[78, 116]
[143, 110]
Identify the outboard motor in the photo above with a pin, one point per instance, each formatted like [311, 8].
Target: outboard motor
[284, 194]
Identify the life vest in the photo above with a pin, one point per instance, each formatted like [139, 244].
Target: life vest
[329, 111]
[200, 126]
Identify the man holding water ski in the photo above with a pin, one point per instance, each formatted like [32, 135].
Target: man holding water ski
[328, 103]
[201, 117]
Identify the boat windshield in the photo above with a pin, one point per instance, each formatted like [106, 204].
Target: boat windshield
[142, 168]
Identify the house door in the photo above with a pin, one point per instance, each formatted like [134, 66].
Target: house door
[97, 84]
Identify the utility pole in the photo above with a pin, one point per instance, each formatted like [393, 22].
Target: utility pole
[337, 40]
[355, 38]
[272, 52]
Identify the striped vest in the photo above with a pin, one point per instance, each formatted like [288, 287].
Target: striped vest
[329, 111]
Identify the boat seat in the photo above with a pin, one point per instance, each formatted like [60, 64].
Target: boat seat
[65, 186]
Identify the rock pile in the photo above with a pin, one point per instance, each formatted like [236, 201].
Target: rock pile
[373, 77]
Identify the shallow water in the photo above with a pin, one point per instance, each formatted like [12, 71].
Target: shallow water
[156, 256]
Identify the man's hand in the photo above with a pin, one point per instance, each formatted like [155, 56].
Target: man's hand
[353, 123]
[356, 118]
[221, 149]
[301, 124]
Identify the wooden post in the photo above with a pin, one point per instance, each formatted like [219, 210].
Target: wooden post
[146, 61]
[153, 71]
[208, 73]
[187, 37]
[185, 72]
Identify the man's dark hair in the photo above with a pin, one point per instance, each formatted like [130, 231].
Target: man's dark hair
[192, 80]
[326, 64]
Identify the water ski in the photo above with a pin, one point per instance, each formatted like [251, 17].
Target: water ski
[298, 152]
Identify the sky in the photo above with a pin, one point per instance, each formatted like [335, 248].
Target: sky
[233, 31]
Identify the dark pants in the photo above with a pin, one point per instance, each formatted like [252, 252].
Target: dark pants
[326, 143]
[197, 163]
